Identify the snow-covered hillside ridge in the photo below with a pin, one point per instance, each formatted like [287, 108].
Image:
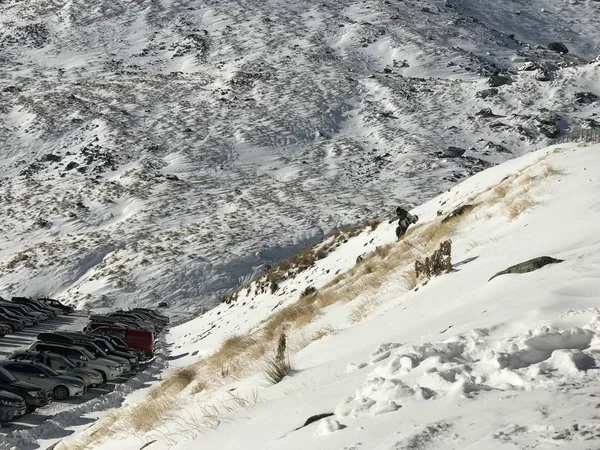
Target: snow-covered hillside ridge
[170, 150]
[380, 359]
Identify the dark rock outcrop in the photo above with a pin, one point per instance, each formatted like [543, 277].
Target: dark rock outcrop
[586, 98]
[499, 80]
[529, 266]
[558, 47]
[487, 93]
[453, 152]
[462, 209]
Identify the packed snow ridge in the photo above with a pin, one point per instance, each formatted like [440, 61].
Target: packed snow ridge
[169, 151]
[381, 359]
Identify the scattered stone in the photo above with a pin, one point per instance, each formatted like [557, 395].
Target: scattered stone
[172, 177]
[314, 418]
[549, 132]
[499, 80]
[585, 98]
[558, 47]
[42, 223]
[497, 147]
[453, 152]
[163, 305]
[487, 112]
[51, 157]
[529, 266]
[487, 93]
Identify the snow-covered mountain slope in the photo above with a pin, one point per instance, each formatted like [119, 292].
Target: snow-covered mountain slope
[460, 361]
[169, 150]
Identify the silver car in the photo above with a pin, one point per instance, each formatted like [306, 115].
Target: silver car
[109, 370]
[61, 365]
[62, 386]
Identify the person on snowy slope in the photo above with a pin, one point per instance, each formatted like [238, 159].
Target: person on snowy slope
[405, 219]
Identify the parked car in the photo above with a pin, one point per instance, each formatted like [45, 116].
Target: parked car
[22, 311]
[150, 312]
[11, 406]
[29, 310]
[14, 324]
[62, 386]
[108, 369]
[60, 364]
[105, 346]
[86, 343]
[16, 316]
[139, 339]
[34, 395]
[36, 306]
[56, 304]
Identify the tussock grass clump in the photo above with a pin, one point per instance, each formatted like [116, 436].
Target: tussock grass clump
[177, 382]
[199, 387]
[277, 369]
[229, 358]
[323, 332]
[411, 280]
[550, 170]
[364, 308]
[517, 205]
[148, 414]
[98, 433]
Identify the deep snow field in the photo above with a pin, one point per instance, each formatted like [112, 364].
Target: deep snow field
[456, 362]
[169, 150]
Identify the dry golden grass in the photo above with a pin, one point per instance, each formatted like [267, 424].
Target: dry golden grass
[277, 369]
[96, 434]
[299, 342]
[200, 386]
[410, 278]
[323, 332]
[209, 416]
[550, 171]
[361, 311]
[500, 191]
[517, 205]
[149, 414]
[174, 384]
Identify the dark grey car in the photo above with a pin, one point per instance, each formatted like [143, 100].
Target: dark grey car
[62, 386]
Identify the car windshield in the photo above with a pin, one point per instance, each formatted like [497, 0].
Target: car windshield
[65, 362]
[88, 354]
[97, 350]
[50, 372]
[107, 346]
[6, 376]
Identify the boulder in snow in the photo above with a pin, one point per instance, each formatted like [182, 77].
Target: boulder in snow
[529, 266]
[558, 47]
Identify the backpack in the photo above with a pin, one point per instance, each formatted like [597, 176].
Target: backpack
[402, 213]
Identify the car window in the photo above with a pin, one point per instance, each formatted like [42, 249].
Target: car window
[16, 368]
[32, 369]
[48, 371]
[57, 363]
[6, 376]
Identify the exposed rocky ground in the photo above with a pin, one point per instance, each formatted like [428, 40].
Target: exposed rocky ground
[167, 151]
